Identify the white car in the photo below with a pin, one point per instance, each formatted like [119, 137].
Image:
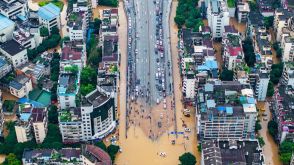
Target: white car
[164, 106]
[187, 130]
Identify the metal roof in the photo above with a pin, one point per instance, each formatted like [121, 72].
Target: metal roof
[49, 12]
[5, 22]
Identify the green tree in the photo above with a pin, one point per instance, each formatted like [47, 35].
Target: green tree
[248, 49]
[86, 88]
[12, 160]
[111, 3]
[101, 145]
[272, 127]
[286, 158]
[257, 126]
[270, 89]
[112, 151]
[199, 147]
[53, 138]
[187, 159]
[53, 115]
[286, 149]
[261, 141]
[268, 21]
[276, 73]
[180, 21]
[55, 30]
[44, 32]
[226, 75]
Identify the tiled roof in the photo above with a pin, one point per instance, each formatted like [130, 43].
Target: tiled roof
[48, 12]
[70, 54]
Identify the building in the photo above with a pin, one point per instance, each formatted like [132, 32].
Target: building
[49, 16]
[283, 106]
[33, 71]
[73, 53]
[5, 67]
[23, 126]
[6, 28]
[39, 119]
[77, 25]
[233, 52]
[98, 115]
[14, 8]
[243, 11]
[92, 155]
[255, 20]
[20, 86]
[14, 52]
[109, 23]
[281, 21]
[94, 3]
[266, 7]
[70, 125]
[225, 110]
[110, 53]
[287, 78]
[226, 152]
[218, 17]
[68, 86]
[69, 156]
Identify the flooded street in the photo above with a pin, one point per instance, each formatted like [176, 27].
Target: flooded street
[270, 149]
[137, 139]
[33, 5]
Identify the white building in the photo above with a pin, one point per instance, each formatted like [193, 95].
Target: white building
[243, 11]
[189, 87]
[287, 78]
[20, 86]
[262, 85]
[23, 127]
[14, 52]
[49, 16]
[6, 28]
[14, 8]
[78, 26]
[218, 17]
[94, 3]
[39, 118]
[5, 67]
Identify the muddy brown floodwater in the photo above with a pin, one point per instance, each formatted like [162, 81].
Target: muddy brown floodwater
[137, 148]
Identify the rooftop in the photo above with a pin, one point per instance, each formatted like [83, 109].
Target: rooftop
[70, 115]
[19, 82]
[67, 83]
[95, 98]
[69, 53]
[3, 62]
[110, 48]
[5, 22]
[12, 47]
[38, 114]
[96, 155]
[49, 12]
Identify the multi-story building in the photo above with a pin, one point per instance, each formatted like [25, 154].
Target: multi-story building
[266, 7]
[5, 67]
[255, 20]
[242, 11]
[233, 53]
[77, 25]
[49, 16]
[109, 23]
[222, 152]
[14, 8]
[73, 53]
[68, 156]
[98, 115]
[287, 78]
[33, 71]
[283, 106]
[6, 29]
[225, 110]
[14, 52]
[20, 86]
[70, 125]
[68, 86]
[92, 155]
[218, 17]
[39, 118]
[23, 127]
[110, 52]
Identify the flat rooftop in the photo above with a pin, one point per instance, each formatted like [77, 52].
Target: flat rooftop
[12, 47]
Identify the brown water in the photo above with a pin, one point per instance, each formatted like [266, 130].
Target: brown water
[33, 5]
[137, 148]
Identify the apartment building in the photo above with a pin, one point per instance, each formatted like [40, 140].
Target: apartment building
[20, 86]
[5, 67]
[73, 53]
[49, 16]
[225, 110]
[33, 71]
[92, 155]
[283, 106]
[6, 28]
[255, 20]
[110, 52]
[39, 119]
[109, 23]
[233, 52]
[220, 152]
[68, 86]
[14, 52]
[78, 25]
[218, 17]
[70, 125]
[69, 156]
[243, 11]
[23, 126]
[287, 78]
[98, 115]
[14, 8]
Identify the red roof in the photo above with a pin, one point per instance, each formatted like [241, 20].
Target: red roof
[234, 51]
[102, 158]
[114, 11]
[70, 54]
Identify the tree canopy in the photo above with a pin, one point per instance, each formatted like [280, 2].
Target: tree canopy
[111, 3]
[53, 115]
[227, 75]
[276, 73]
[270, 89]
[187, 159]
[248, 49]
[286, 149]
[272, 127]
[88, 80]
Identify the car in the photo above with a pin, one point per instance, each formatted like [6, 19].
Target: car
[264, 119]
[164, 106]
[187, 130]
[264, 114]
[157, 101]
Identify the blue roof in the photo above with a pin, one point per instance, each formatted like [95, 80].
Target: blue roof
[49, 12]
[5, 22]
[211, 64]
[221, 108]
[15, 85]
[25, 116]
[214, 5]
[2, 62]
[34, 103]
[229, 110]
[250, 100]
